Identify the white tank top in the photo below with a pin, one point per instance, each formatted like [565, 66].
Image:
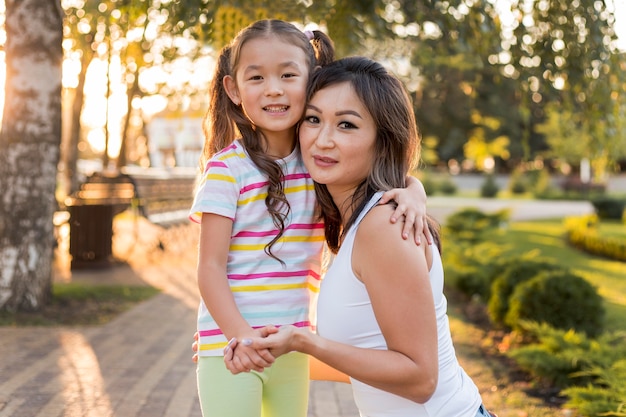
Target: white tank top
[345, 314]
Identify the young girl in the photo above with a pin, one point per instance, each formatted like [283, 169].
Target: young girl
[255, 269]
[381, 312]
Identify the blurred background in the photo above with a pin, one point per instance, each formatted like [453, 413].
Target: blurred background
[499, 86]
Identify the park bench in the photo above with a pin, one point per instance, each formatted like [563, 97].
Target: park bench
[163, 198]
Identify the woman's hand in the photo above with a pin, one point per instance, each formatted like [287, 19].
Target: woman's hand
[241, 357]
[411, 204]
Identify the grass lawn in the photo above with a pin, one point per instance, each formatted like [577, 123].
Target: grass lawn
[81, 304]
[545, 238]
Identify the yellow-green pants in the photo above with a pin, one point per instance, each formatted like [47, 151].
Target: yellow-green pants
[282, 390]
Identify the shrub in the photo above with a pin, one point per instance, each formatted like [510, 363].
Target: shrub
[447, 187]
[559, 298]
[609, 208]
[470, 267]
[430, 186]
[517, 183]
[606, 397]
[469, 224]
[563, 358]
[582, 233]
[489, 188]
[539, 181]
[517, 270]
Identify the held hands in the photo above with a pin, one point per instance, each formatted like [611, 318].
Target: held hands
[270, 344]
[246, 358]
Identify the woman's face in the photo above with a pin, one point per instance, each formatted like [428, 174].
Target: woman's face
[337, 138]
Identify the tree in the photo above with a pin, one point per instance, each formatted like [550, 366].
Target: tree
[454, 45]
[562, 52]
[29, 151]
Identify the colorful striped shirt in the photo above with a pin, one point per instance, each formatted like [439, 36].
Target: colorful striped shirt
[266, 291]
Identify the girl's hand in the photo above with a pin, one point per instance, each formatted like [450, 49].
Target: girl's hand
[239, 357]
[411, 204]
[194, 348]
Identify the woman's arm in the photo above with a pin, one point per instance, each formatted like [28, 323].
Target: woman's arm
[411, 205]
[215, 232]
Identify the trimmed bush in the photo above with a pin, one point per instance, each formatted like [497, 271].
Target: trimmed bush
[447, 186]
[582, 233]
[430, 185]
[469, 224]
[489, 188]
[609, 208]
[517, 270]
[518, 184]
[559, 298]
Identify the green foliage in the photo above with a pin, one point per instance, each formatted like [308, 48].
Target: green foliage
[535, 181]
[447, 186]
[552, 59]
[562, 358]
[560, 298]
[582, 233]
[430, 185]
[608, 207]
[471, 267]
[470, 224]
[517, 270]
[517, 185]
[471, 261]
[606, 397]
[489, 188]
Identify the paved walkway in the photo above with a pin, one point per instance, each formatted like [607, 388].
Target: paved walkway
[138, 365]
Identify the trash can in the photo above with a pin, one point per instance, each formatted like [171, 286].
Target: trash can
[91, 235]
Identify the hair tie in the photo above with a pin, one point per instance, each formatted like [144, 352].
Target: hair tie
[309, 35]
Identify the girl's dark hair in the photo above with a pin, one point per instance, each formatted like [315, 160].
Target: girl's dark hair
[397, 145]
[224, 121]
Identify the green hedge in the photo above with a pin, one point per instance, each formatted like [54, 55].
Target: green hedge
[582, 233]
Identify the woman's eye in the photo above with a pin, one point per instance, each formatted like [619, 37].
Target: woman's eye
[290, 75]
[347, 125]
[311, 119]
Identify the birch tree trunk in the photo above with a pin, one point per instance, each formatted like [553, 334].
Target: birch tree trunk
[29, 151]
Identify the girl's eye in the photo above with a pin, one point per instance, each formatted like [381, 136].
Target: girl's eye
[256, 77]
[290, 75]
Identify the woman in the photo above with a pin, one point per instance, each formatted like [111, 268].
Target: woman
[381, 310]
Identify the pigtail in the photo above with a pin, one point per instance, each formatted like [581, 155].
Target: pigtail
[218, 126]
[324, 48]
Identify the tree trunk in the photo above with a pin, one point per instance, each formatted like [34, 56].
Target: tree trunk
[29, 151]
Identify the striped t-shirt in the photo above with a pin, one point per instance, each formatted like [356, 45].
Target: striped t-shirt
[266, 291]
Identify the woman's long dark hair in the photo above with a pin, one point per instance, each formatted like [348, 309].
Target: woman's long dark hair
[397, 145]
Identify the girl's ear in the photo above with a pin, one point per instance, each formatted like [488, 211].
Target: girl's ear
[231, 89]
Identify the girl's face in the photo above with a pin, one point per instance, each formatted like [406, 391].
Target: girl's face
[337, 138]
[270, 85]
